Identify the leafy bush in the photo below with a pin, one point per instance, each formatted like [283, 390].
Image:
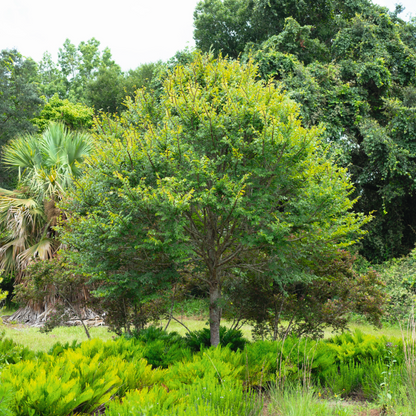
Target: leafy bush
[202, 338]
[59, 386]
[307, 308]
[400, 278]
[58, 348]
[162, 354]
[144, 402]
[12, 353]
[161, 348]
[360, 348]
[78, 378]
[6, 398]
[153, 333]
[128, 350]
[127, 356]
[205, 397]
[221, 364]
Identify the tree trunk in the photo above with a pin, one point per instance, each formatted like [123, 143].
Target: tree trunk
[214, 313]
[37, 315]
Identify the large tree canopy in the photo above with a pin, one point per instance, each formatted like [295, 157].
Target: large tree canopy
[352, 67]
[227, 26]
[86, 75]
[214, 178]
[19, 97]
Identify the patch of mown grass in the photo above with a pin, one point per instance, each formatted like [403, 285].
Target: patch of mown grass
[386, 330]
[7, 311]
[38, 341]
[33, 338]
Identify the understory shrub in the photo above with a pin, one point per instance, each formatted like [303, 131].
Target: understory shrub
[78, 379]
[59, 386]
[58, 348]
[399, 276]
[202, 338]
[12, 353]
[6, 398]
[204, 397]
[358, 347]
[161, 348]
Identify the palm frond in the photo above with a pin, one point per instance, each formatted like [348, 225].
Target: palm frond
[47, 166]
[23, 152]
[44, 249]
[9, 251]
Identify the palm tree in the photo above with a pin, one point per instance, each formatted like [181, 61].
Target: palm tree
[46, 167]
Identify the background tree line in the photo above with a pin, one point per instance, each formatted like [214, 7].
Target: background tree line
[351, 65]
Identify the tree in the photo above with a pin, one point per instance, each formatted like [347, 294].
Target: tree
[364, 98]
[110, 88]
[227, 26]
[306, 308]
[74, 116]
[351, 65]
[215, 177]
[46, 167]
[105, 92]
[51, 80]
[80, 66]
[19, 97]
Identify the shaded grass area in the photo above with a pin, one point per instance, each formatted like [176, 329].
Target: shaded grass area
[195, 324]
[37, 341]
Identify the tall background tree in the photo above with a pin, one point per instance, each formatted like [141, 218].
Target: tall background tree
[19, 98]
[351, 65]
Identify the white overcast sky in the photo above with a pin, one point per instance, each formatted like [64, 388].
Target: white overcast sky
[136, 31]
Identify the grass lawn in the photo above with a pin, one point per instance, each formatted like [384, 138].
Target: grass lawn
[37, 341]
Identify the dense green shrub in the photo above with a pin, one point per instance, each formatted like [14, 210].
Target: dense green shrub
[219, 363]
[358, 347]
[161, 348]
[74, 116]
[79, 378]
[202, 338]
[59, 348]
[122, 348]
[153, 333]
[6, 398]
[205, 397]
[160, 353]
[59, 386]
[400, 278]
[12, 353]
